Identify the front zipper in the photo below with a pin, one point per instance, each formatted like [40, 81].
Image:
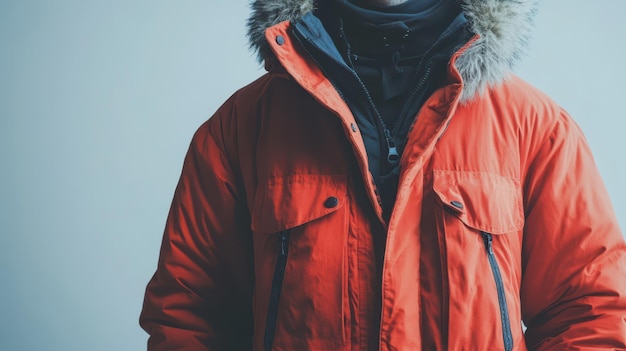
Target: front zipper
[393, 157]
[405, 112]
[504, 311]
[277, 284]
[390, 135]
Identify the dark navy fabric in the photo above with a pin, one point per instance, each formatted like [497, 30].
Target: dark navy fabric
[410, 28]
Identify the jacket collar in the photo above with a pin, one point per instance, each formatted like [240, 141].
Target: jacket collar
[503, 28]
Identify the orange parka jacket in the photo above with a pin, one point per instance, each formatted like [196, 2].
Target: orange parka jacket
[275, 238]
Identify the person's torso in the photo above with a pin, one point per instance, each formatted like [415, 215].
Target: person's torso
[452, 247]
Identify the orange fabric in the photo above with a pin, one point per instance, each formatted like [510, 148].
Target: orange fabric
[510, 166]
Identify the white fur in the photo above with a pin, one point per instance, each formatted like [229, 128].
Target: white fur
[504, 27]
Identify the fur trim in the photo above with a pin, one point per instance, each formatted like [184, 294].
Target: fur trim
[266, 13]
[504, 27]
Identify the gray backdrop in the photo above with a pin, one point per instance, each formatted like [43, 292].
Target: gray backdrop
[98, 102]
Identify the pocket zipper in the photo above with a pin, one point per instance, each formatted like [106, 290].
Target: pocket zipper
[277, 283]
[504, 311]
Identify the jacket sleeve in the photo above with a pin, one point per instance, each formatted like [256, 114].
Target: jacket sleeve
[574, 257]
[200, 296]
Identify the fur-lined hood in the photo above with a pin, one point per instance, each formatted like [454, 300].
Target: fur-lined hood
[504, 27]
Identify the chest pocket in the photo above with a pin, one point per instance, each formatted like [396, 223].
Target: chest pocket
[482, 201]
[291, 201]
[479, 222]
[300, 228]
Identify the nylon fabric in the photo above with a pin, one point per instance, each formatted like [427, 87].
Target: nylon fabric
[278, 149]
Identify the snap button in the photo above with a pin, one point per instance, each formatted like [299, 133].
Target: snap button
[457, 204]
[331, 202]
[280, 40]
[353, 127]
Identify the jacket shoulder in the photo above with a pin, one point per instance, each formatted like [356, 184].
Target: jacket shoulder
[525, 108]
[238, 110]
[525, 100]
[246, 101]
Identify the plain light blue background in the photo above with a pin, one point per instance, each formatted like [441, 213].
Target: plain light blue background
[98, 102]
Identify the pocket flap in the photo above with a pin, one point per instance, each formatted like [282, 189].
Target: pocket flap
[483, 201]
[288, 202]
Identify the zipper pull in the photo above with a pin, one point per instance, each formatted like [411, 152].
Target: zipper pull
[488, 239]
[392, 151]
[283, 243]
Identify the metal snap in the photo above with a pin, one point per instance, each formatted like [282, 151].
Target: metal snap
[331, 202]
[457, 204]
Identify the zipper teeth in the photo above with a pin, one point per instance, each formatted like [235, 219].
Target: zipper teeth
[504, 313]
[332, 82]
[381, 126]
[414, 92]
[312, 57]
[352, 73]
[426, 75]
[277, 282]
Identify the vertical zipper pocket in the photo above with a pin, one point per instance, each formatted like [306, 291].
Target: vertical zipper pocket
[277, 284]
[504, 311]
